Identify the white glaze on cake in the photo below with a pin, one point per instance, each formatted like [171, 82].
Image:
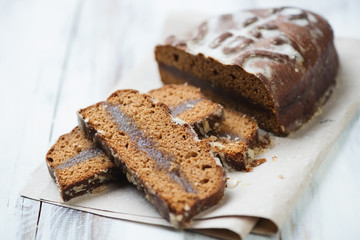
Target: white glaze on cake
[285, 56]
[232, 39]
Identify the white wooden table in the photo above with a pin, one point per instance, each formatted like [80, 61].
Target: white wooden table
[57, 56]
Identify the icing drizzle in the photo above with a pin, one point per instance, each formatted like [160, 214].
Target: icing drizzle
[230, 38]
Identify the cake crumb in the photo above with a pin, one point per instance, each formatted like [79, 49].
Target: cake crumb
[257, 162]
[281, 176]
[232, 182]
[274, 158]
[98, 189]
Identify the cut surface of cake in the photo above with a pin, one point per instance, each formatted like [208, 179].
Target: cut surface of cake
[238, 126]
[160, 156]
[78, 166]
[277, 65]
[190, 105]
[235, 140]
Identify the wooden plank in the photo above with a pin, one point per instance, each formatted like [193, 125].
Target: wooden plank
[32, 46]
[26, 218]
[64, 223]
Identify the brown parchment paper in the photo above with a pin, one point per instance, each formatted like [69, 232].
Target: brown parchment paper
[263, 198]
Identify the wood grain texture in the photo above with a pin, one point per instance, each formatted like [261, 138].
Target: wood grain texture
[26, 215]
[32, 47]
[59, 56]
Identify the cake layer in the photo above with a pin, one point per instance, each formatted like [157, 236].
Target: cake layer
[278, 65]
[78, 166]
[161, 157]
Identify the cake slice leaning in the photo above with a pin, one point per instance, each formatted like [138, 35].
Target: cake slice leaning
[78, 166]
[233, 139]
[160, 156]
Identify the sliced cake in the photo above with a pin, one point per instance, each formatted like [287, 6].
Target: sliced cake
[78, 166]
[158, 154]
[277, 65]
[76, 150]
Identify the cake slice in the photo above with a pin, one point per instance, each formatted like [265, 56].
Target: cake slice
[235, 140]
[159, 155]
[232, 139]
[78, 166]
[238, 127]
[277, 65]
[190, 105]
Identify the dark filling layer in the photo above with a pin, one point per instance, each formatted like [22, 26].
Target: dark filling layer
[112, 175]
[182, 107]
[143, 143]
[206, 85]
[84, 155]
[236, 162]
[223, 96]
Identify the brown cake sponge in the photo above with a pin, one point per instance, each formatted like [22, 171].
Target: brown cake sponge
[238, 126]
[235, 140]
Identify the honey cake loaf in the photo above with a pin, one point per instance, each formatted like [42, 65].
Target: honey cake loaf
[78, 166]
[161, 157]
[190, 105]
[277, 65]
